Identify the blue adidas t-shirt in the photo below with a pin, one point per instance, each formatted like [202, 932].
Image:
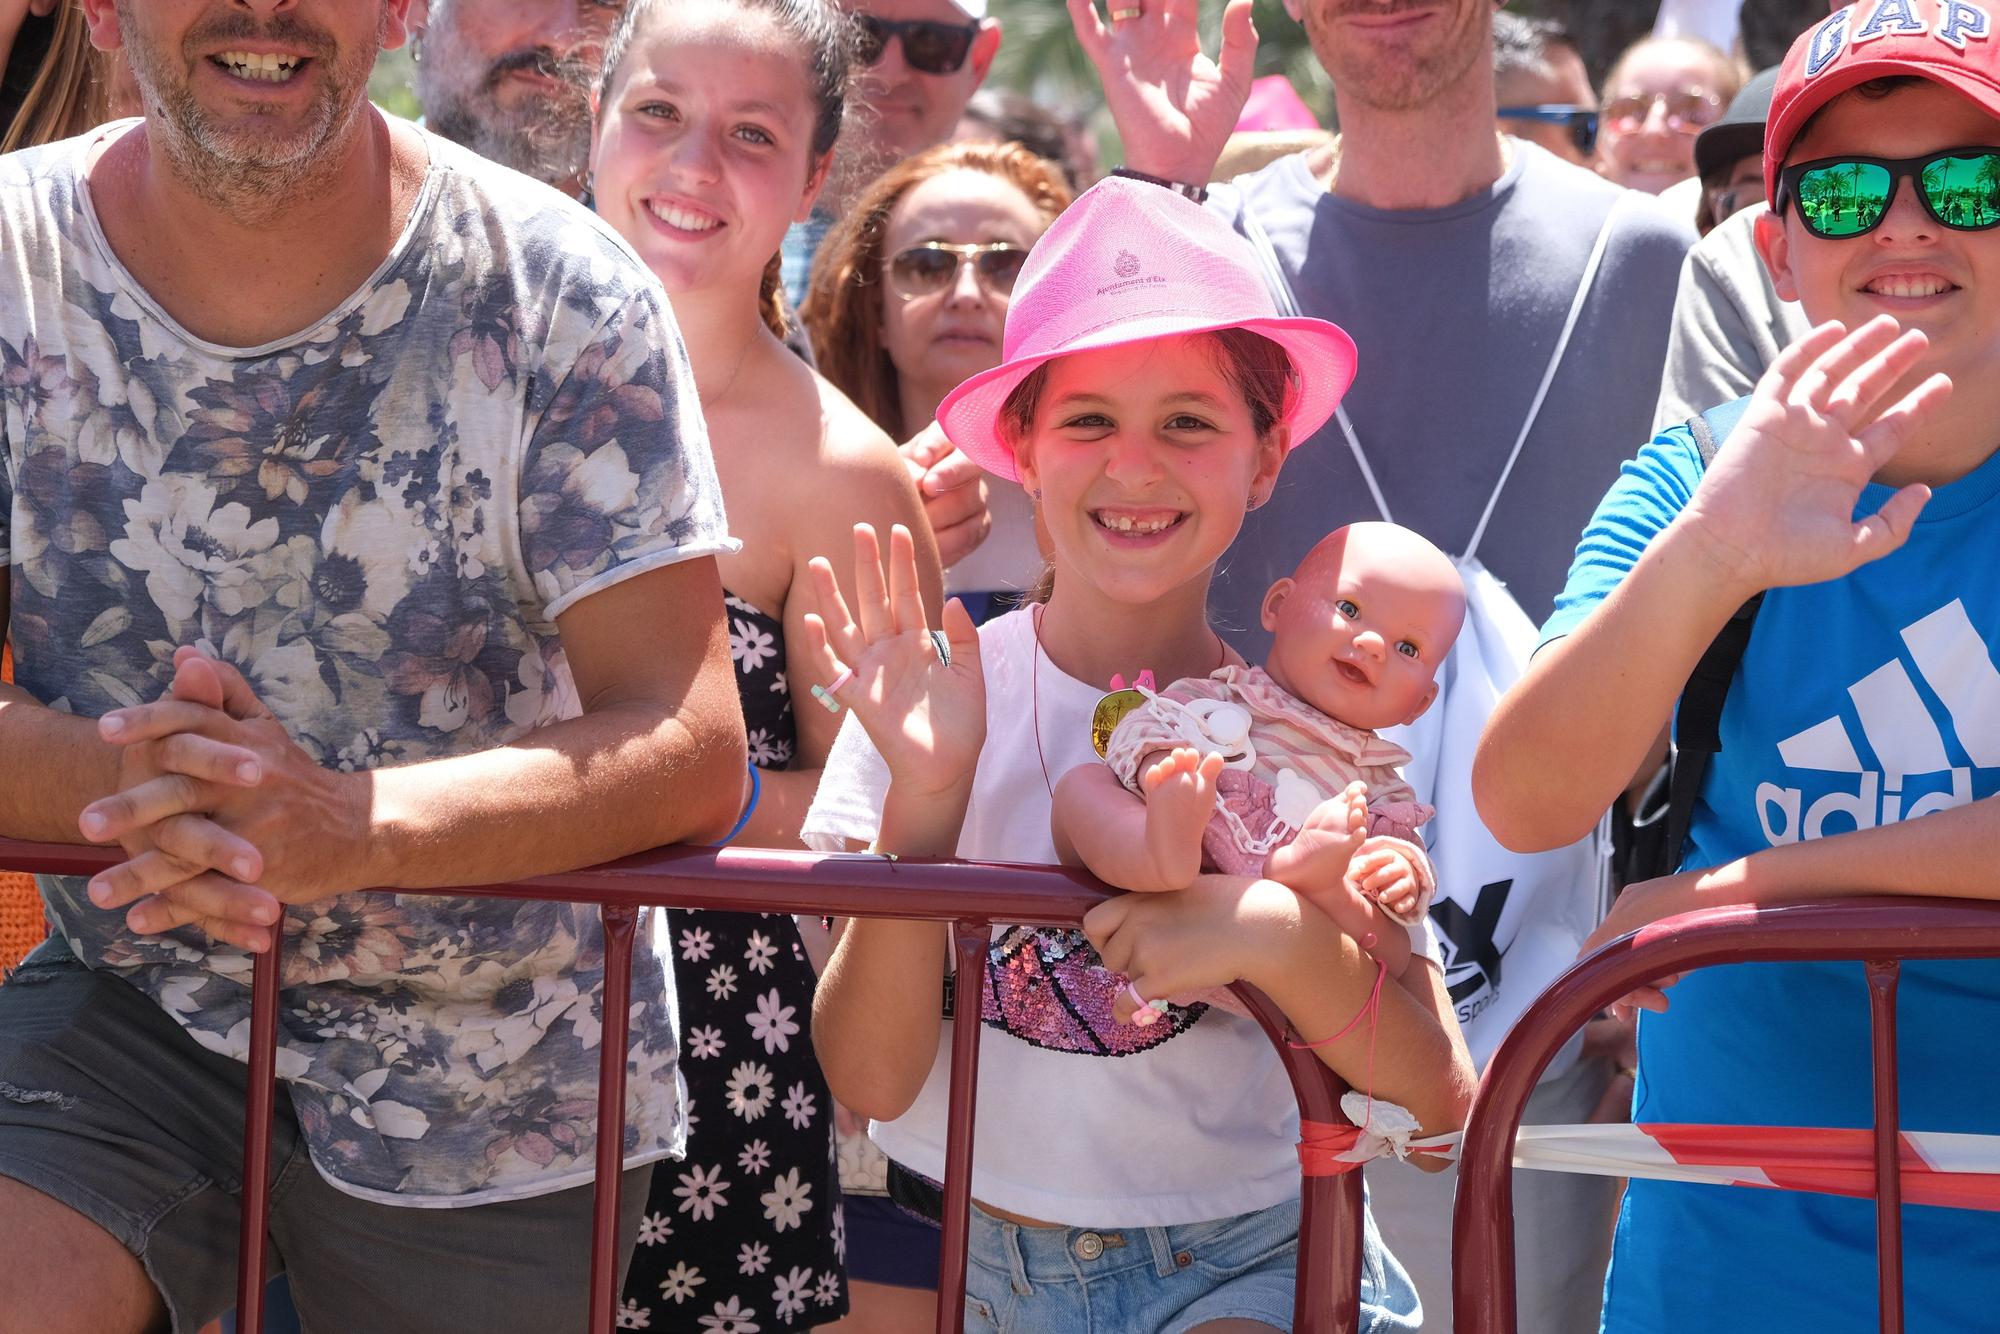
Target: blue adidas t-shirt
[1859, 702]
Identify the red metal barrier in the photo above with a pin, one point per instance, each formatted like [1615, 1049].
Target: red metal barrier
[1878, 932]
[972, 897]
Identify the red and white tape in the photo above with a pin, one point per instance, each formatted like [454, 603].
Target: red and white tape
[1954, 1170]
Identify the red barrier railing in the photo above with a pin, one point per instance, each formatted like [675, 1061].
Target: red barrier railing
[972, 897]
[1877, 932]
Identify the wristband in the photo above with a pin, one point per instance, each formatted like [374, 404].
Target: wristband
[1198, 193]
[756, 791]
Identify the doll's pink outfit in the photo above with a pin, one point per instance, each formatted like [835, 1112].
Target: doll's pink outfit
[1284, 758]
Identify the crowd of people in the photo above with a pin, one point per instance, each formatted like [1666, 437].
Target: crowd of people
[729, 421]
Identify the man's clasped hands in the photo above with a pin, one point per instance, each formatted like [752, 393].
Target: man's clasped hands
[222, 816]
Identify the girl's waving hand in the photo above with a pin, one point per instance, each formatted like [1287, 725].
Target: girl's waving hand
[919, 693]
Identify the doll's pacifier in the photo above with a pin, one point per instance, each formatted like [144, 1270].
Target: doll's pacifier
[1220, 726]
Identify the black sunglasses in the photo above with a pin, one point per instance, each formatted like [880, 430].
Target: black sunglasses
[1582, 121]
[926, 270]
[929, 46]
[1839, 197]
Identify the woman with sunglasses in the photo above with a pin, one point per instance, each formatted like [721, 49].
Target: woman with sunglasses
[909, 298]
[1661, 94]
[715, 126]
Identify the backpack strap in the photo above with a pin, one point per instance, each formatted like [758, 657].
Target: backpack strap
[1698, 722]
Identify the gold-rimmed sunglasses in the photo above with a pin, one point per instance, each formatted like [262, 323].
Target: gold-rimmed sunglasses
[930, 268]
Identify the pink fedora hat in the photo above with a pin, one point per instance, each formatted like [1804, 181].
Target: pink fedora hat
[1125, 263]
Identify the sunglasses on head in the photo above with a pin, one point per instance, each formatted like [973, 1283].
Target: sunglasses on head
[1847, 196]
[930, 268]
[1581, 121]
[1687, 110]
[929, 46]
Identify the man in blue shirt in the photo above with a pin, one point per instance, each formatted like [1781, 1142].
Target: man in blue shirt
[1861, 737]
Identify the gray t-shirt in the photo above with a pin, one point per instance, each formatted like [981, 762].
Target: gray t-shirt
[1455, 312]
[378, 520]
[1730, 324]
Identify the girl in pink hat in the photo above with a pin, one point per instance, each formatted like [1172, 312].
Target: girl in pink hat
[1125, 1177]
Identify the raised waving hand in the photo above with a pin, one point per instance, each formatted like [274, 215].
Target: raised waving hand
[1777, 505]
[924, 709]
[1175, 108]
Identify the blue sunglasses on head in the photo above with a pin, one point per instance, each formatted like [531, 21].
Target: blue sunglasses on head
[1582, 121]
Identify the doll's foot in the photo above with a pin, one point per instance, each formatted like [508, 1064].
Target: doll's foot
[1316, 860]
[1180, 798]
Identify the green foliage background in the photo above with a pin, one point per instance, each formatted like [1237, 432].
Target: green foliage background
[393, 85]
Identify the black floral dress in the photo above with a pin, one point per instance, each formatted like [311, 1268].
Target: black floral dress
[747, 1233]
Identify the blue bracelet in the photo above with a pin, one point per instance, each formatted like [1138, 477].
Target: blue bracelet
[749, 807]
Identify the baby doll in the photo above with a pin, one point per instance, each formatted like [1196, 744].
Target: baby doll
[1277, 771]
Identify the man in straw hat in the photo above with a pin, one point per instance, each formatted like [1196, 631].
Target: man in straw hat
[1855, 495]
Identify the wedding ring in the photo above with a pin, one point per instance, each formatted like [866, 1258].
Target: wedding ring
[1121, 15]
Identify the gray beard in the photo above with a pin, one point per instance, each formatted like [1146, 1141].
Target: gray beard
[555, 150]
[220, 174]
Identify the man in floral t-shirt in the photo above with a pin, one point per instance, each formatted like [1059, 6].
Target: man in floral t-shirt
[357, 528]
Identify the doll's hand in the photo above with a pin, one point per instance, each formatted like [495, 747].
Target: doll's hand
[925, 715]
[1384, 873]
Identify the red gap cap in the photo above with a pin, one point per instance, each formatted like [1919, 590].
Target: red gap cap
[1950, 42]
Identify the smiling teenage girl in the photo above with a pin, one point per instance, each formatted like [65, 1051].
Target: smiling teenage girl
[909, 297]
[715, 125]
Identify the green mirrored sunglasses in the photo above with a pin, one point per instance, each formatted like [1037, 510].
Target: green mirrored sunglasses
[1846, 196]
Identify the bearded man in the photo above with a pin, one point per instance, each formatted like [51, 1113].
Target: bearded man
[357, 522]
[511, 80]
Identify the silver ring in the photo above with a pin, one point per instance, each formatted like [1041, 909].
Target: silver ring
[943, 647]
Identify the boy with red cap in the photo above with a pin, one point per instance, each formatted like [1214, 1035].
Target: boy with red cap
[1855, 490]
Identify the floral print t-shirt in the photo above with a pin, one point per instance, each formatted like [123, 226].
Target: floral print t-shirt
[378, 521]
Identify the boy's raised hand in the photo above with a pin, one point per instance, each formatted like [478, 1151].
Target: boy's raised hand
[926, 717]
[1776, 507]
[1174, 107]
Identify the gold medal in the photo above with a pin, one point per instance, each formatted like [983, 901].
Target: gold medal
[1111, 711]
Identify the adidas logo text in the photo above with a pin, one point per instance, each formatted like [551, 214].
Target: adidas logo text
[1912, 774]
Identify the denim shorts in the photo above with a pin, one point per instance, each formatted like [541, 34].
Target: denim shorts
[109, 1107]
[1160, 1280]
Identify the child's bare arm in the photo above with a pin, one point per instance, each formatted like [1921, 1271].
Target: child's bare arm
[877, 1007]
[1148, 843]
[1226, 927]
